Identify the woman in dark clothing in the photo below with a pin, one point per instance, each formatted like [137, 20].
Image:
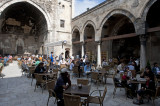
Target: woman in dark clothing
[149, 73]
[40, 68]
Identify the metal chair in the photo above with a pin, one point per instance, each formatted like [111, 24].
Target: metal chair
[117, 84]
[31, 72]
[72, 100]
[95, 76]
[39, 82]
[75, 71]
[83, 81]
[97, 99]
[50, 86]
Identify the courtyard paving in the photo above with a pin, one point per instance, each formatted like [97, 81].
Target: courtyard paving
[16, 90]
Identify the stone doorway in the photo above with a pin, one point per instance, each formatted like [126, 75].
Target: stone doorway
[19, 50]
[1, 51]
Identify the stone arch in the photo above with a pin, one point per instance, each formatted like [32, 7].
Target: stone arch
[146, 9]
[74, 28]
[117, 11]
[87, 23]
[46, 15]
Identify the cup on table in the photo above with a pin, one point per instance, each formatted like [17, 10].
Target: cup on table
[79, 86]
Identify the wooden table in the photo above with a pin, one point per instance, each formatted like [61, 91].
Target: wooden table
[103, 72]
[48, 74]
[138, 81]
[83, 92]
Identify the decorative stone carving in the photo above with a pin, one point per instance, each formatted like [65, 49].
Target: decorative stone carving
[143, 39]
[99, 42]
[140, 27]
[135, 3]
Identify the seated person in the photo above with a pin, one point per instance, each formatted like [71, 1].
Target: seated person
[93, 68]
[156, 70]
[40, 69]
[87, 68]
[131, 66]
[148, 72]
[71, 65]
[148, 89]
[37, 61]
[61, 84]
[130, 87]
[62, 61]
[45, 62]
[104, 63]
[120, 68]
[125, 78]
[129, 73]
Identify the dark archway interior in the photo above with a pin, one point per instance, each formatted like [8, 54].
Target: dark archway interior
[24, 27]
[153, 17]
[90, 47]
[75, 35]
[153, 44]
[23, 18]
[117, 24]
[76, 47]
[127, 47]
[89, 32]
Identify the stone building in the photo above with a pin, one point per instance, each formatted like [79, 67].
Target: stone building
[35, 26]
[114, 28]
[119, 28]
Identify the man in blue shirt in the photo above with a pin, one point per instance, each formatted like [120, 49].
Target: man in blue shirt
[156, 70]
[51, 57]
[87, 68]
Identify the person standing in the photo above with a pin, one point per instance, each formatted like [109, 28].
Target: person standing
[52, 59]
[60, 56]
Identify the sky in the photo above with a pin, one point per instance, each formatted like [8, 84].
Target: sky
[82, 5]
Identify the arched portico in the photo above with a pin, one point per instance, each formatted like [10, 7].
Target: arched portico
[46, 15]
[119, 38]
[89, 44]
[76, 44]
[26, 21]
[152, 19]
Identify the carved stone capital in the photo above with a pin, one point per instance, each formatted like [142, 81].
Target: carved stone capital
[143, 39]
[140, 27]
[83, 43]
[99, 42]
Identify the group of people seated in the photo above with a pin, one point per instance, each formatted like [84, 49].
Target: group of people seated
[147, 89]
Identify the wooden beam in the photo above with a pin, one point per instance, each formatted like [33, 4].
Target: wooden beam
[89, 40]
[76, 42]
[155, 29]
[119, 36]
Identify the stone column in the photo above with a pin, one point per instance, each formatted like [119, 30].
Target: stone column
[82, 52]
[143, 61]
[99, 53]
